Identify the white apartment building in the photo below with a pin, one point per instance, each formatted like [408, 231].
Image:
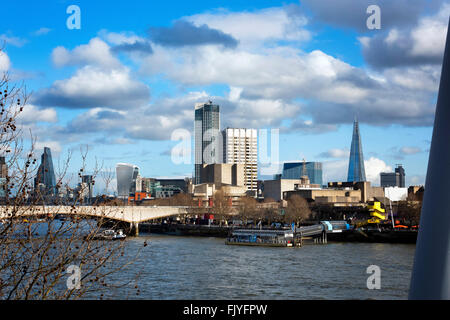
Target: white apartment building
[241, 146]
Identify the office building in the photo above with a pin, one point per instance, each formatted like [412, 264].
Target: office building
[45, 181]
[87, 188]
[393, 179]
[223, 174]
[356, 171]
[225, 177]
[163, 188]
[241, 146]
[126, 175]
[340, 194]
[401, 172]
[295, 170]
[208, 146]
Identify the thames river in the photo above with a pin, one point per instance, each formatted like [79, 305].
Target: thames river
[175, 267]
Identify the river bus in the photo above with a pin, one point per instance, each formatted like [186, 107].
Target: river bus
[261, 237]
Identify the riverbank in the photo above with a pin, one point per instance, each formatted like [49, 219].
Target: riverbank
[368, 236]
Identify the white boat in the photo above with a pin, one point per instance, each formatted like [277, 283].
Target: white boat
[110, 234]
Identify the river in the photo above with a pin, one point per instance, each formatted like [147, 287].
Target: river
[176, 267]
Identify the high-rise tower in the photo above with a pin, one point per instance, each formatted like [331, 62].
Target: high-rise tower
[241, 146]
[208, 146]
[45, 180]
[356, 170]
[126, 175]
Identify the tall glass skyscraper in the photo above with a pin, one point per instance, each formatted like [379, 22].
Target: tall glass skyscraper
[45, 180]
[126, 175]
[356, 170]
[294, 170]
[208, 144]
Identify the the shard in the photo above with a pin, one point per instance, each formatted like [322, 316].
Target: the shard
[356, 170]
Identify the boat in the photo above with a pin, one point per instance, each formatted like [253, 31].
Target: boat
[261, 237]
[110, 235]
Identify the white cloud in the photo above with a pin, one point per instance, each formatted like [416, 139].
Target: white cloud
[429, 36]
[335, 170]
[420, 44]
[31, 114]
[92, 87]
[282, 72]
[14, 41]
[96, 52]
[424, 78]
[54, 146]
[410, 150]
[373, 167]
[117, 38]
[336, 153]
[42, 31]
[252, 28]
[5, 63]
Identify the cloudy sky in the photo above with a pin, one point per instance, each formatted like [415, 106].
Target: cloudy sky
[130, 77]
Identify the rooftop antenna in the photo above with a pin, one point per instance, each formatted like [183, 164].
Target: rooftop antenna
[430, 278]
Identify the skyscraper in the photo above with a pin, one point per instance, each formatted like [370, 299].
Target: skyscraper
[126, 175]
[45, 180]
[208, 146]
[294, 170]
[356, 170]
[240, 146]
[87, 187]
[393, 179]
[401, 174]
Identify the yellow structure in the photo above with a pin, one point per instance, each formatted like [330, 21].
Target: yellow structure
[376, 212]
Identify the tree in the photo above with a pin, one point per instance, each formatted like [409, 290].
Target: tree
[221, 206]
[36, 248]
[409, 211]
[247, 209]
[297, 210]
[182, 199]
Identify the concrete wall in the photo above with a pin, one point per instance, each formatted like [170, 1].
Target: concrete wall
[274, 188]
[223, 174]
[329, 195]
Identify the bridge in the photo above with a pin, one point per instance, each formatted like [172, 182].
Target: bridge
[129, 214]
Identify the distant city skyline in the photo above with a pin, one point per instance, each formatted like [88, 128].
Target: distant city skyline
[127, 79]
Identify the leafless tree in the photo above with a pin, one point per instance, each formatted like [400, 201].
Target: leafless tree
[297, 210]
[247, 209]
[36, 247]
[221, 206]
[107, 176]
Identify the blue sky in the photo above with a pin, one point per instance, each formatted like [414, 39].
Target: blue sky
[125, 81]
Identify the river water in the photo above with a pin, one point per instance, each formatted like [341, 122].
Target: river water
[175, 267]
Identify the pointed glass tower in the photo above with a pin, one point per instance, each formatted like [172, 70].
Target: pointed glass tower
[356, 170]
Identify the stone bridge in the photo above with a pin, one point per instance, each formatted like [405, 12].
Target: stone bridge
[129, 214]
